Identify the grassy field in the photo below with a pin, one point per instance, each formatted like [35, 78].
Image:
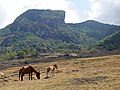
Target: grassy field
[98, 73]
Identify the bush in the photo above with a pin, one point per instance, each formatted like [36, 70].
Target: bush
[8, 56]
[21, 54]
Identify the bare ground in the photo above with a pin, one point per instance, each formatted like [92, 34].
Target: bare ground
[97, 73]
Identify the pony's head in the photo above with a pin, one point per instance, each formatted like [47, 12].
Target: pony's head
[38, 75]
[55, 66]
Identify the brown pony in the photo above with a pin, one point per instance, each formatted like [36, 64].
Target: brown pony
[28, 70]
[49, 68]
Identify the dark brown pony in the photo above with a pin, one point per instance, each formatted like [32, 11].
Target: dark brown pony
[51, 68]
[28, 70]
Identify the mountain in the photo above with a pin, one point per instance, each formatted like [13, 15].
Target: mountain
[45, 30]
[95, 29]
[111, 42]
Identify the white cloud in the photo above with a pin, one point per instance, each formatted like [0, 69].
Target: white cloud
[2, 14]
[107, 11]
[72, 16]
[10, 9]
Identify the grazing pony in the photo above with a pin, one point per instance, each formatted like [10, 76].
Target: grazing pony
[53, 67]
[28, 70]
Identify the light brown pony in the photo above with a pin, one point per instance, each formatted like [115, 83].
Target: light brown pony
[28, 70]
[49, 68]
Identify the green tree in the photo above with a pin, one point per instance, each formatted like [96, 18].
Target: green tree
[26, 50]
[8, 56]
[34, 53]
[21, 54]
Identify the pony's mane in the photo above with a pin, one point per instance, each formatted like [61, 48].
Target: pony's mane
[33, 68]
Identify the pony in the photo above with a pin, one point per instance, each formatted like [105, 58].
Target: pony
[28, 70]
[49, 68]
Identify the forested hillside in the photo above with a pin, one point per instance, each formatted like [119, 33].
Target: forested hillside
[46, 31]
[95, 29]
[111, 42]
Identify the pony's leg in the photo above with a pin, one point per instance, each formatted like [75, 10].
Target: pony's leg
[47, 72]
[53, 72]
[19, 76]
[22, 77]
[31, 76]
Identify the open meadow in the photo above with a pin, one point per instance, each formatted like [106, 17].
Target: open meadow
[96, 73]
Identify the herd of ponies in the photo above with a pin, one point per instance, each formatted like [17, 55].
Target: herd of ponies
[30, 69]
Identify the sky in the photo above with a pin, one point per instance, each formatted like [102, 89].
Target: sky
[105, 11]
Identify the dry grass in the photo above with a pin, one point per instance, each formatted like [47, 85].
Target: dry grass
[99, 73]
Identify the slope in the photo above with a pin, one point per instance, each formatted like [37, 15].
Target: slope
[111, 42]
[46, 31]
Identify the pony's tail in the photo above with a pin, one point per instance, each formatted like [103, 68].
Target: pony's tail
[20, 71]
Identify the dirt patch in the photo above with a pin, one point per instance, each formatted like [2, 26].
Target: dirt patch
[91, 80]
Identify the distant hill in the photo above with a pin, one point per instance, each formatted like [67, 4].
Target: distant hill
[46, 31]
[111, 42]
[95, 29]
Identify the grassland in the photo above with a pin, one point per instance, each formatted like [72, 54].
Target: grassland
[97, 73]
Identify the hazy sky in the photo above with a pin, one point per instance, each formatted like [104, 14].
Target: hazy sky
[106, 11]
